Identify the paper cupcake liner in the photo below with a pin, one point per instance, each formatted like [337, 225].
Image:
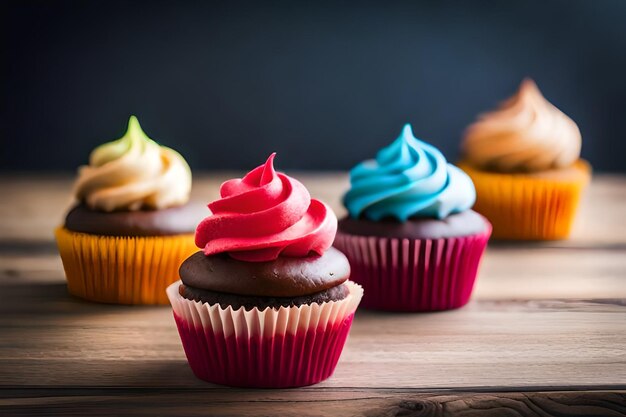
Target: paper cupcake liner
[270, 348]
[122, 270]
[414, 275]
[528, 207]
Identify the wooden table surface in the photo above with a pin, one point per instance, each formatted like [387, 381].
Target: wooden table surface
[544, 334]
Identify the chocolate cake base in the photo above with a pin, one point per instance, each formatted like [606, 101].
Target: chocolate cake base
[170, 221]
[282, 277]
[466, 223]
[249, 302]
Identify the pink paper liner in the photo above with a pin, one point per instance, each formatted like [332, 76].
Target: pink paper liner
[282, 361]
[414, 275]
[236, 348]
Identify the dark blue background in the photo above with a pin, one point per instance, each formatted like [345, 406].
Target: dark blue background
[324, 84]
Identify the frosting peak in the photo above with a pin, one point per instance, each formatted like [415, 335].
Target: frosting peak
[133, 173]
[266, 214]
[526, 133]
[409, 178]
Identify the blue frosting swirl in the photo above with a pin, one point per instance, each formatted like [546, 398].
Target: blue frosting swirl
[408, 178]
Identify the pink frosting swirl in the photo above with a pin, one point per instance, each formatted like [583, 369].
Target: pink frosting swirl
[264, 215]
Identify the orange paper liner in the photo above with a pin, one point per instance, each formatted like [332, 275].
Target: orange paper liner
[529, 206]
[122, 269]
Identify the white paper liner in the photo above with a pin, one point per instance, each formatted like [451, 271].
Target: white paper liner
[267, 322]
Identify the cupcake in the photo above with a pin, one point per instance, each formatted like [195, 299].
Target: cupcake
[132, 226]
[412, 241]
[267, 301]
[524, 159]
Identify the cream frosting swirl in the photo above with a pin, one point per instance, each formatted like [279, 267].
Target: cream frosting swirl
[133, 173]
[525, 134]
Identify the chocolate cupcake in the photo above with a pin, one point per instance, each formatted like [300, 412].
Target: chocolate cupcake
[132, 225]
[267, 302]
[410, 236]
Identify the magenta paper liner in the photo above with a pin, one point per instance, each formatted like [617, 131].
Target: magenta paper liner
[282, 361]
[269, 348]
[414, 275]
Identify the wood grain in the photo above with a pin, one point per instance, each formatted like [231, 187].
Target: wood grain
[506, 272]
[306, 402]
[486, 344]
[545, 334]
[33, 205]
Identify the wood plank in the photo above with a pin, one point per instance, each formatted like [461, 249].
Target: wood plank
[52, 339]
[308, 402]
[507, 271]
[544, 334]
[25, 216]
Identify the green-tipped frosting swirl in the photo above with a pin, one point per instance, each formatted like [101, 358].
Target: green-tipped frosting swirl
[133, 173]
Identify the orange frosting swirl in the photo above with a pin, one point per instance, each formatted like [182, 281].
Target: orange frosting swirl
[525, 134]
